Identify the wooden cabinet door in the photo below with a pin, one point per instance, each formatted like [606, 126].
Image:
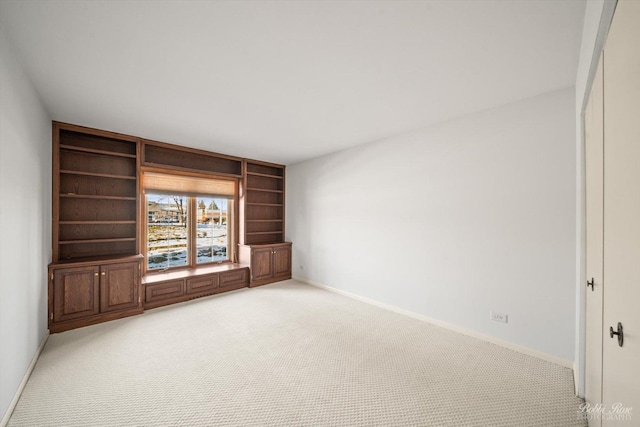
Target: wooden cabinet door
[75, 293]
[163, 291]
[119, 286]
[203, 284]
[261, 264]
[234, 278]
[282, 261]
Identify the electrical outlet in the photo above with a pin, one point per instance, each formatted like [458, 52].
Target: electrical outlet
[498, 317]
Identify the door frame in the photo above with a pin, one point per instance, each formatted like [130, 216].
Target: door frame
[596, 27]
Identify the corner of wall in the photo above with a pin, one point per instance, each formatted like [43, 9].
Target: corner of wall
[25, 179]
[12, 405]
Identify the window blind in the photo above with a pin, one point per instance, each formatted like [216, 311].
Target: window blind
[155, 183]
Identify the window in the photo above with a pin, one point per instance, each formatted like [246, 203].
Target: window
[189, 220]
[167, 232]
[212, 239]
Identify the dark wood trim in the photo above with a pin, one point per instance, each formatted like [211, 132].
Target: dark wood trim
[257, 283]
[79, 262]
[284, 211]
[55, 202]
[236, 222]
[184, 171]
[263, 163]
[265, 190]
[94, 131]
[100, 175]
[192, 238]
[242, 193]
[140, 213]
[265, 175]
[92, 320]
[117, 239]
[188, 173]
[96, 222]
[94, 151]
[90, 196]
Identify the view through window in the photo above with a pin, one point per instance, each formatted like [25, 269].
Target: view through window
[178, 225]
[212, 221]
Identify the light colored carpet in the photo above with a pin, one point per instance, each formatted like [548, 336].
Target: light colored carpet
[287, 354]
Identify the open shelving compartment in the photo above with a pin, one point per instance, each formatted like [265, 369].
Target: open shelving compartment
[95, 195]
[263, 203]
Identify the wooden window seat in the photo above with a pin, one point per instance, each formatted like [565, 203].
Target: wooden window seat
[168, 287]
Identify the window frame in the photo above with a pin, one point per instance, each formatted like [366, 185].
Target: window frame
[192, 227]
[192, 258]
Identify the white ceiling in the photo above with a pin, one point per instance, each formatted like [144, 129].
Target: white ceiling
[288, 80]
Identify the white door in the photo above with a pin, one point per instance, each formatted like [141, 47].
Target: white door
[594, 163]
[621, 364]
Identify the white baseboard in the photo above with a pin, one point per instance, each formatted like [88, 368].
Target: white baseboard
[16, 397]
[502, 343]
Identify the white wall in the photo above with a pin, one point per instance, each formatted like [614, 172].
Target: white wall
[473, 215]
[597, 20]
[25, 223]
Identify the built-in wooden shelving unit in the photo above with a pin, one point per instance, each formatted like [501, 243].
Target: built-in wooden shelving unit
[99, 223]
[263, 213]
[263, 197]
[171, 157]
[95, 194]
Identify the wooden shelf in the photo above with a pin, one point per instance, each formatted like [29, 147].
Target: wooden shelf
[95, 222]
[264, 220]
[102, 175]
[264, 232]
[265, 190]
[95, 151]
[265, 204]
[91, 196]
[265, 175]
[102, 259]
[120, 239]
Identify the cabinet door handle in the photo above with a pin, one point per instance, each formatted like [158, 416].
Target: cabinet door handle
[619, 333]
[590, 284]
[104, 273]
[95, 274]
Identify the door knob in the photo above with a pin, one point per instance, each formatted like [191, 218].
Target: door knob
[619, 333]
[590, 284]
